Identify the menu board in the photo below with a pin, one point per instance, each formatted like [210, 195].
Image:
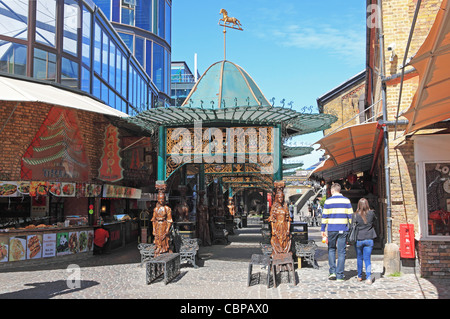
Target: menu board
[4, 246]
[17, 248]
[34, 246]
[49, 245]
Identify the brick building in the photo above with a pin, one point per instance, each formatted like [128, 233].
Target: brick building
[410, 166]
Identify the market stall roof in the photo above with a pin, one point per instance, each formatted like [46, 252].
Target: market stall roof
[226, 95]
[350, 149]
[14, 89]
[431, 103]
[293, 151]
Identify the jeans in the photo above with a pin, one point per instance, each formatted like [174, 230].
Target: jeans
[337, 241]
[363, 254]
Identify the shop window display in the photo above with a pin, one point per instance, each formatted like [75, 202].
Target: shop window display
[438, 198]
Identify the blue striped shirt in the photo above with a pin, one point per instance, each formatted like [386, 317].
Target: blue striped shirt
[337, 213]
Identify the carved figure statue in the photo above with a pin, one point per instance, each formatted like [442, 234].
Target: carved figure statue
[231, 207]
[162, 221]
[182, 209]
[220, 212]
[226, 19]
[281, 223]
[203, 221]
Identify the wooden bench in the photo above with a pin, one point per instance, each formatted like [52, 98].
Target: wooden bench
[186, 247]
[147, 251]
[166, 264]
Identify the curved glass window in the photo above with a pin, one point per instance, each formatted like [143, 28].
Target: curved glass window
[71, 26]
[144, 14]
[97, 48]
[46, 22]
[168, 23]
[14, 15]
[69, 73]
[158, 66]
[161, 24]
[44, 65]
[105, 6]
[139, 50]
[86, 37]
[13, 58]
[105, 50]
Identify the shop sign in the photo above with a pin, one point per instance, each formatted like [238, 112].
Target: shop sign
[115, 191]
[111, 169]
[57, 151]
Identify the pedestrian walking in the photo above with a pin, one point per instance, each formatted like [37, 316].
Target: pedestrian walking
[337, 214]
[365, 219]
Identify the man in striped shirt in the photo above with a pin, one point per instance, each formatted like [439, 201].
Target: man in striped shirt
[337, 214]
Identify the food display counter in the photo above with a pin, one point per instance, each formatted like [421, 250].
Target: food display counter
[44, 241]
[121, 232]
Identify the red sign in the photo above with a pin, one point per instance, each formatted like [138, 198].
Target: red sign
[111, 169]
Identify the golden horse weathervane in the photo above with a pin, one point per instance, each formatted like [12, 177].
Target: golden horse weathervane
[228, 22]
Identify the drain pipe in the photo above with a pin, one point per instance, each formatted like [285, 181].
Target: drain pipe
[386, 143]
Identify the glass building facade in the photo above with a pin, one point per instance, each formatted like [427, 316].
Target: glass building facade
[73, 43]
[145, 27]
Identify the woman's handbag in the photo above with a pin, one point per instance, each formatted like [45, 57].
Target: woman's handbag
[352, 235]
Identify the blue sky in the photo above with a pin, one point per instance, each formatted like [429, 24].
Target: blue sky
[295, 50]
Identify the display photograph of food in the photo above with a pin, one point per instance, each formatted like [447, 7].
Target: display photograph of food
[82, 241]
[68, 189]
[55, 188]
[73, 242]
[4, 249]
[17, 248]
[34, 246]
[8, 189]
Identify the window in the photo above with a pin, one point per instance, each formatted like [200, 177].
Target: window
[97, 48]
[105, 56]
[118, 70]
[13, 58]
[44, 65]
[438, 198]
[85, 80]
[128, 14]
[128, 39]
[46, 22]
[112, 64]
[139, 52]
[144, 14]
[69, 73]
[86, 37]
[71, 27]
[116, 10]
[14, 18]
[105, 6]
[161, 24]
[167, 21]
[148, 57]
[158, 66]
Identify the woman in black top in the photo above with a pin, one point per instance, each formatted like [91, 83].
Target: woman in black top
[365, 223]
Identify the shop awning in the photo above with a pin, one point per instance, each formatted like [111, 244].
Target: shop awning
[431, 103]
[349, 150]
[12, 89]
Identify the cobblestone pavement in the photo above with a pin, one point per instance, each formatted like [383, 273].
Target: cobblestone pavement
[222, 275]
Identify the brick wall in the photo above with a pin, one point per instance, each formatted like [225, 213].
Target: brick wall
[21, 127]
[434, 259]
[397, 19]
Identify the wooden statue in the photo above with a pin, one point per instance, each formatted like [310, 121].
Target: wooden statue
[280, 222]
[231, 207]
[161, 221]
[220, 212]
[182, 209]
[203, 221]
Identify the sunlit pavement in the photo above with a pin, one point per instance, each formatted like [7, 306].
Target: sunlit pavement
[222, 275]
